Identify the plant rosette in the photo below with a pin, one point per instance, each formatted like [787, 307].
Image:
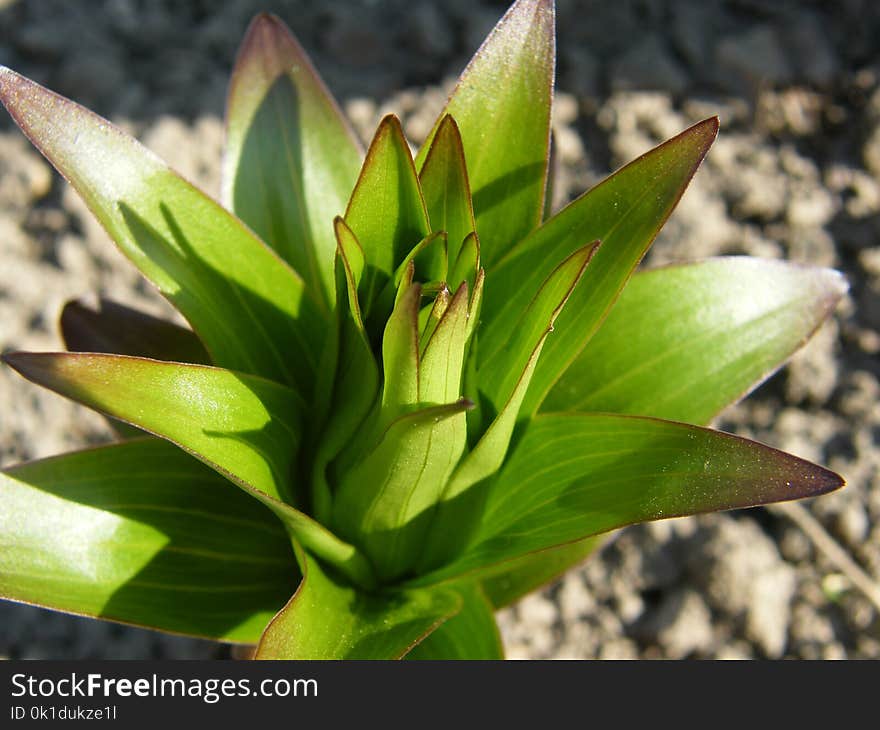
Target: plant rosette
[409, 395]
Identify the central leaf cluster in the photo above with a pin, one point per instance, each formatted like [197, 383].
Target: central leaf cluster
[398, 441]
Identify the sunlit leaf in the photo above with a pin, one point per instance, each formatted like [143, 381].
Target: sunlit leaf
[245, 427]
[503, 381]
[505, 354]
[291, 159]
[143, 533]
[386, 211]
[400, 355]
[685, 341]
[576, 475]
[446, 189]
[625, 212]
[385, 500]
[502, 107]
[247, 306]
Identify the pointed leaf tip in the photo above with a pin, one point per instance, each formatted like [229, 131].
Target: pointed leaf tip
[579, 474]
[291, 157]
[386, 210]
[506, 141]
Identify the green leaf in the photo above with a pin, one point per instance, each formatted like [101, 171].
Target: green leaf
[350, 256]
[246, 428]
[350, 385]
[400, 355]
[467, 265]
[328, 619]
[446, 189]
[119, 330]
[143, 533]
[502, 107]
[246, 305]
[730, 323]
[386, 211]
[708, 332]
[385, 501]
[576, 475]
[290, 160]
[428, 324]
[471, 634]
[503, 383]
[442, 363]
[625, 212]
[685, 341]
[516, 578]
[505, 354]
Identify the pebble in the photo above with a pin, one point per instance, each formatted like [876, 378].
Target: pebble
[750, 59]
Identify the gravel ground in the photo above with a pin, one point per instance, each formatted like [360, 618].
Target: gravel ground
[794, 175]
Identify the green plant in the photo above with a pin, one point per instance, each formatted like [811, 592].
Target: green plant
[405, 416]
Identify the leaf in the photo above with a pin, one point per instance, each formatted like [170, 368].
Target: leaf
[505, 354]
[351, 256]
[244, 427]
[400, 355]
[444, 180]
[442, 363]
[708, 332]
[471, 634]
[504, 381]
[328, 619]
[119, 330]
[467, 265]
[685, 341]
[246, 305]
[384, 502]
[502, 107]
[142, 533]
[354, 383]
[516, 578]
[291, 159]
[386, 210]
[625, 212]
[434, 316]
[576, 475]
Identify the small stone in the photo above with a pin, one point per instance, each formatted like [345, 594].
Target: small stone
[575, 600]
[746, 577]
[808, 42]
[871, 151]
[682, 625]
[24, 175]
[853, 523]
[692, 32]
[580, 71]
[750, 59]
[536, 610]
[649, 66]
[769, 609]
[619, 649]
[860, 191]
[428, 31]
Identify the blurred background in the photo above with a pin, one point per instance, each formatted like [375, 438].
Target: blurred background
[794, 174]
